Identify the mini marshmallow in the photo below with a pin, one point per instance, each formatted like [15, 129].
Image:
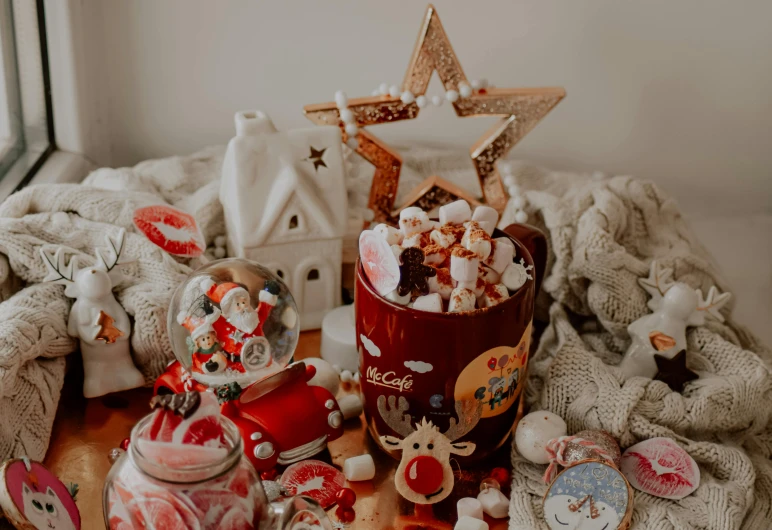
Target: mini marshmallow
[469, 507]
[442, 238]
[414, 220]
[412, 241]
[463, 265]
[494, 503]
[441, 283]
[470, 523]
[477, 241]
[487, 218]
[501, 256]
[358, 468]
[488, 274]
[389, 233]
[455, 213]
[470, 226]
[495, 294]
[514, 276]
[431, 302]
[397, 299]
[397, 250]
[434, 254]
[477, 287]
[461, 300]
[350, 405]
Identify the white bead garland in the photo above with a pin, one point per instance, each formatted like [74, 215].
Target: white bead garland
[452, 96]
[383, 88]
[437, 101]
[464, 90]
[394, 91]
[341, 99]
[518, 201]
[407, 97]
[352, 129]
[421, 101]
[346, 115]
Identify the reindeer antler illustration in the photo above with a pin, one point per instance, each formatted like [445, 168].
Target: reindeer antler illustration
[468, 412]
[395, 416]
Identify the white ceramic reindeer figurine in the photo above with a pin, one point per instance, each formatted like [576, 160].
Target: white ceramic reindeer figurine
[97, 318]
[675, 306]
[424, 475]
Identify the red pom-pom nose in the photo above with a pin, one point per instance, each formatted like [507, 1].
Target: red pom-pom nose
[423, 474]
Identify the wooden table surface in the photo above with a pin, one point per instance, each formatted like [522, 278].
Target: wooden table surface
[86, 429]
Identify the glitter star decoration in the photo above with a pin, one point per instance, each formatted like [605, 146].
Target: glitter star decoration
[316, 158]
[520, 109]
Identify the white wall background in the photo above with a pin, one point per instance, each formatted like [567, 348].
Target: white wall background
[679, 91]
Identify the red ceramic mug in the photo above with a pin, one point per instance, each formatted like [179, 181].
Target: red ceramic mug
[436, 359]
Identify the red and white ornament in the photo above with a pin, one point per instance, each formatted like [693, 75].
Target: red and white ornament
[313, 478]
[170, 229]
[660, 467]
[379, 263]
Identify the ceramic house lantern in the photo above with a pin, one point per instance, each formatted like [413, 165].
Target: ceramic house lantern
[285, 203]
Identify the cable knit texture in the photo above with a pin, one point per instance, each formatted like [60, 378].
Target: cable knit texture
[603, 234]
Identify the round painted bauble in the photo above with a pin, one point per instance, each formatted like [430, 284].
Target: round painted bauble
[533, 433]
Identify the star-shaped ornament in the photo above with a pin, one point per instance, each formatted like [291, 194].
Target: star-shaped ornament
[237, 336]
[316, 158]
[673, 372]
[107, 331]
[520, 109]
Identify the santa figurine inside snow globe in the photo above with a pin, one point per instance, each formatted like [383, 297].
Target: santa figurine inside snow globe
[232, 321]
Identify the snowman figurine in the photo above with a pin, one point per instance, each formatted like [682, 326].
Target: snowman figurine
[675, 306]
[97, 318]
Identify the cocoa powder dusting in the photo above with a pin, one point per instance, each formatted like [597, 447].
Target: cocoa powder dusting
[461, 252]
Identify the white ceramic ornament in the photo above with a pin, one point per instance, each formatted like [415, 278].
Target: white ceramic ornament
[533, 433]
[660, 467]
[96, 317]
[675, 306]
[285, 203]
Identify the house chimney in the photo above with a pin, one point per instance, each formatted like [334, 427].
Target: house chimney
[252, 123]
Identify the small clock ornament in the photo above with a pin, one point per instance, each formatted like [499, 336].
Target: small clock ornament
[675, 306]
[589, 495]
[32, 498]
[232, 322]
[96, 317]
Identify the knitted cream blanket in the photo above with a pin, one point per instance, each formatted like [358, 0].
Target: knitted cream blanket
[603, 234]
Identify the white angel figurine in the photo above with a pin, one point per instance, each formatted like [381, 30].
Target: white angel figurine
[675, 306]
[97, 318]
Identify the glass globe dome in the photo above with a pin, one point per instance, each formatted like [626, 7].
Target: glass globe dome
[233, 320]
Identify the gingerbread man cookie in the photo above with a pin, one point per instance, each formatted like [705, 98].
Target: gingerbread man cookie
[413, 272]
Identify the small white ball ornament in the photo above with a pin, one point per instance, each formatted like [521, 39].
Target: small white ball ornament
[368, 214]
[375, 92]
[521, 217]
[352, 129]
[505, 168]
[341, 99]
[533, 433]
[451, 95]
[394, 91]
[421, 101]
[518, 202]
[513, 190]
[219, 252]
[407, 97]
[509, 181]
[476, 84]
[464, 90]
[437, 101]
[352, 143]
[346, 116]
[383, 89]
[220, 241]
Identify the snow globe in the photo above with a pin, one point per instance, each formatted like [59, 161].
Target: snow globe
[232, 321]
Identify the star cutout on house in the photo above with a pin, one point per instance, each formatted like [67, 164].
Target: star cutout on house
[237, 336]
[316, 158]
[520, 109]
[673, 372]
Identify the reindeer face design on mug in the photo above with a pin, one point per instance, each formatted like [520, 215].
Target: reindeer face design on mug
[424, 475]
